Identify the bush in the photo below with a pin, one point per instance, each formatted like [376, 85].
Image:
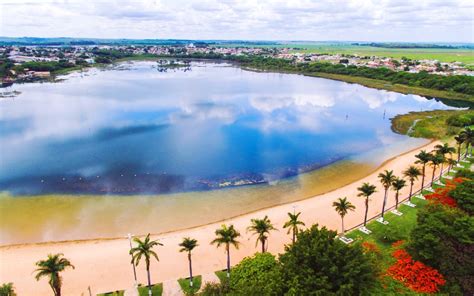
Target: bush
[215, 289]
[444, 239]
[465, 173]
[258, 273]
[464, 196]
[320, 264]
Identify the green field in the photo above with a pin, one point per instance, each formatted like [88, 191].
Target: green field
[465, 56]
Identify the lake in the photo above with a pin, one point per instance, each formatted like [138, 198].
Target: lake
[132, 129]
[103, 146]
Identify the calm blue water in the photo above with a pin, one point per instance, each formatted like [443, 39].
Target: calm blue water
[132, 129]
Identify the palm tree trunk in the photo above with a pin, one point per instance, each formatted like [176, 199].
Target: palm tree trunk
[366, 210]
[190, 270]
[459, 152]
[432, 176]
[149, 280]
[411, 191]
[441, 171]
[396, 200]
[263, 245]
[384, 201]
[294, 235]
[342, 218]
[228, 260]
[423, 177]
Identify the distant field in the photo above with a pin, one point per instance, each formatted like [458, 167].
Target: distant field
[465, 56]
[443, 55]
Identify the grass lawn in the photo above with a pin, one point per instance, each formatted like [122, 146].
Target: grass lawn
[383, 236]
[184, 284]
[222, 275]
[156, 290]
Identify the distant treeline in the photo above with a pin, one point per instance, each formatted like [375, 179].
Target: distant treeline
[416, 45]
[457, 83]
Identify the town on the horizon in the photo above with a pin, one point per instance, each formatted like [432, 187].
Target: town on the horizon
[83, 53]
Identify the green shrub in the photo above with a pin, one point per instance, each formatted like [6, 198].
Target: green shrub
[258, 273]
[465, 173]
[215, 289]
[320, 264]
[464, 196]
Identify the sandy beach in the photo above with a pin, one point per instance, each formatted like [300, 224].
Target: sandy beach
[104, 265]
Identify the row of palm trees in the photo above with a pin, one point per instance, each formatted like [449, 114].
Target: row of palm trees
[227, 235]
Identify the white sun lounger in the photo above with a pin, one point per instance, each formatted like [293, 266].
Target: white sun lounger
[365, 230]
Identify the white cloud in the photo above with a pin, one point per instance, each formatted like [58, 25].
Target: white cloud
[384, 20]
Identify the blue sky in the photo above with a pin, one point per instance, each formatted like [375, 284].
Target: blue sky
[355, 20]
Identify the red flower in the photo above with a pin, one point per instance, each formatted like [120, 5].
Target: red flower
[414, 274]
[441, 194]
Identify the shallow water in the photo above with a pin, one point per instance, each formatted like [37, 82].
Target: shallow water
[132, 149]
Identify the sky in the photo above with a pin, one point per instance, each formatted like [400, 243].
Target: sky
[317, 20]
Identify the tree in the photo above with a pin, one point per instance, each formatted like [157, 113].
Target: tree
[423, 158]
[145, 249]
[262, 228]
[443, 238]
[258, 274]
[435, 161]
[443, 150]
[293, 225]
[320, 264]
[187, 245]
[342, 207]
[397, 185]
[366, 190]
[386, 178]
[412, 173]
[468, 136]
[459, 140]
[464, 196]
[227, 236]
[51, 267]
[7, 290]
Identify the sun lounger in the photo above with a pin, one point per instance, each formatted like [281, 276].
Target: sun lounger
[382, 221]
[346, 240]
[420, 196]
[365, 230]
[396, 212]
[408, 203]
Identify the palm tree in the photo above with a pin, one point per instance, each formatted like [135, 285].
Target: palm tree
[293, 224]
[51, 267]
[459, 140]
[423, 158]
[412, 173]
[261, 227]
[227, 236]
[366, 190]
[188, 245]
[468, 135]
[342, 206]
[443, 150]
[435, 161]
[451, 162]
[7, 290]
[145, 249]
[386, 178]
[397, 185]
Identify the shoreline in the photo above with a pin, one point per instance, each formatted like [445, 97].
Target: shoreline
[375, 169]
[18, 260]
